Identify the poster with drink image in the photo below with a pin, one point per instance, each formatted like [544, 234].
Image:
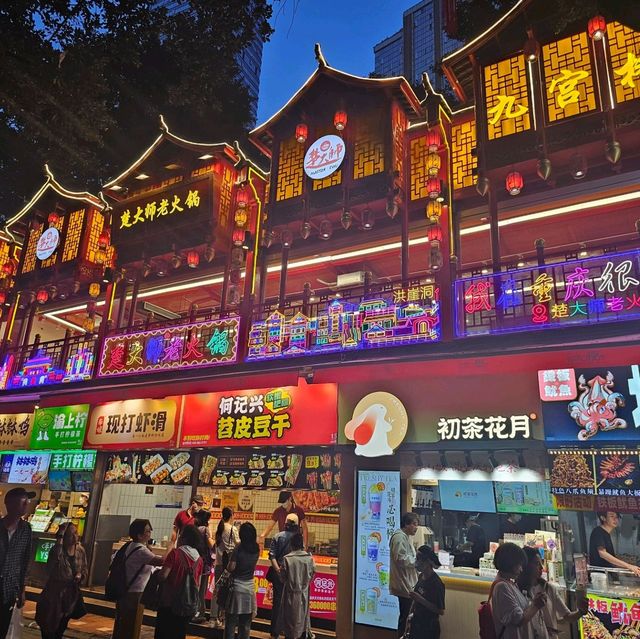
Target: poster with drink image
[378, 517]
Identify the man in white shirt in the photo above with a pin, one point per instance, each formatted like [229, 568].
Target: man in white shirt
[403, 575]
[139, 562]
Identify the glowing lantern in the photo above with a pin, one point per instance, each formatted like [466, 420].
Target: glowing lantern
[242, 197]
[94, 289]
[3, 297]
[42, 296]
[241, 217]
[597, 27]
[89, 324]
[193, 259]
[7, 268]
[340, 120]
[53, 219]
[514, 183]
[434, 233]
[238, 237]
[433, 140]
[433, 187]
[104, 239]
[433, 164]
[434, 211]
[301, 133]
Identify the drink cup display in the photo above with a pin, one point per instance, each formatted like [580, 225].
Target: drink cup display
[375, 504]
[373, 546]
[372, 601]
[383, 577]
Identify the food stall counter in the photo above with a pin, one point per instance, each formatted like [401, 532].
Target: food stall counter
[160, 551]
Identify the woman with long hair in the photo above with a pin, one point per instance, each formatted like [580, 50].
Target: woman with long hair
[61, 599]
[242, 606]
[185, 558]
[226, 539]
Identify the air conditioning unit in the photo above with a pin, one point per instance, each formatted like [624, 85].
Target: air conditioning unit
[350, 279]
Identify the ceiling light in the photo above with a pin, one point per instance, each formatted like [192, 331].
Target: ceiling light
[171, 167]
[578, 166]
[521, 263]
[115, 187]
[325, 229]
[142, 176]
[583, 251]
[206, 156]
[368, 219]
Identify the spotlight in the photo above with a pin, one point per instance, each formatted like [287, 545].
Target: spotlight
[346, 219]
[176, 261]
[209, 253]
[305, 230]
[286, 238]
[367, 220]
[325, 229]
[578, 166]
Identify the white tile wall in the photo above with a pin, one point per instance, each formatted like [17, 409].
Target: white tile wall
[132, 500]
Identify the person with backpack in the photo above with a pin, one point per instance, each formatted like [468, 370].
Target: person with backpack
[514, 615]
[226, 540]
[402, 566]
[179, 593]
[128, 575]
[202, 518]
[242, 605]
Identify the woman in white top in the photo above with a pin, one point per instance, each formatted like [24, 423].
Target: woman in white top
[515, 615]
[556, 610]
[226, 538]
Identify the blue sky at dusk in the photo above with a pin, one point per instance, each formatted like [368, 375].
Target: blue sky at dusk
[346, 29]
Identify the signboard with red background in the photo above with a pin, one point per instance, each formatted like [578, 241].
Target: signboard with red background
[288, 416]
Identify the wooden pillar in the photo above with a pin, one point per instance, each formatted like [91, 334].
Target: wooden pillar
[367, 283]
[282, 294]
[64, 352]
[306, 297]
[404, 253]
[134, 303]
[27, 324]
[10, 324]
[262, 291]
[122, 303]
[494, 229]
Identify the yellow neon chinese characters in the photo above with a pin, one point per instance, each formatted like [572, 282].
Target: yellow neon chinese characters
[629, 71]
[566, 85]
[506, 107]
[151, 211]
[542, 288]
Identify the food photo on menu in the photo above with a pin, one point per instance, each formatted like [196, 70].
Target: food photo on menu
[149, 468]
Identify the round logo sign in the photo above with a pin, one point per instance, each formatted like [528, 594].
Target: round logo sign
[48, 243]
[378, 426]
[324, 157]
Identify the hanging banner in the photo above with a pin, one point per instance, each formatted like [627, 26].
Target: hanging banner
[135, 423]
[59, 427]
[15, 431]
[291, 415]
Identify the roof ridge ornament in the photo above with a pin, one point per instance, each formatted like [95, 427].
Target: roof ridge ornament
[322, 62]
[163, 125]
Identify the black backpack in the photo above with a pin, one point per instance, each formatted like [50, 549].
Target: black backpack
[117, 585]
[186, 603]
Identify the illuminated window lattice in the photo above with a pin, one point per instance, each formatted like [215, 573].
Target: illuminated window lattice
[29, 262]
[507, 97]
[226, 187]
[568, 63]
[290, 164]
[419, 153]
[74, 234]
[368, 148]
[463, 141]
[4, 253]
[399, 128]
[622, 42]
[54, 258]
[95, 228]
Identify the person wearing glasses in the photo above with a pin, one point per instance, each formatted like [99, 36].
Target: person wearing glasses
[601, 550]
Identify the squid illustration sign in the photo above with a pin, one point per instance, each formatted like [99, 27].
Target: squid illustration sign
[591, 406]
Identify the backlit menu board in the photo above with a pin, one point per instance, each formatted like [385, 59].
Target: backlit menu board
[524, 497]
[378, 517]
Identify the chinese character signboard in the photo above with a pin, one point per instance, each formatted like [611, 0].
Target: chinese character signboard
[393, 318]
[610, 617]
[590, 291]
[15, 431]
[302, 415]
[135, 423]
[81, 460]
[43, 548]
[25, 468]
[60, 427]
[149, 468]
[591, 405]
[324, 157]
[190, 346]
[495, 427]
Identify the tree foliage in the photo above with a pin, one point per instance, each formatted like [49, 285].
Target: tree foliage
[82, 83]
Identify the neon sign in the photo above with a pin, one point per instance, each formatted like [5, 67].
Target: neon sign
[208, 343]
[590, 291]
[345, 326]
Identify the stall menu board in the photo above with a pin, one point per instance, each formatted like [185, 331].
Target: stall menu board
[59, 427]
[609, 618]
[73, 460]
[15, 431]
[607, 480]
[149, 468]
[316, 470]
[524, 497]
[41, 520]
[377, 517]
[476, 496]
[25, 468]
[288, 416]
[43, 548]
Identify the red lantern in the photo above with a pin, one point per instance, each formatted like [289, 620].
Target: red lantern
[238, 237]
[53, 219]
[3, 297]
[104, 239]
[514, 183]
[7, 268]
[597, 27]
[193, 259]
[433, 140]
[434, 233]
[340, 120]
[242, 197]
[433, 164]
[42, 296]
[433, 187]
[301, 133]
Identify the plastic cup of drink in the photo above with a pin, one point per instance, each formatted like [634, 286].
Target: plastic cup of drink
[383, 577]
[375, 505]
[373, 546]
[372, 601]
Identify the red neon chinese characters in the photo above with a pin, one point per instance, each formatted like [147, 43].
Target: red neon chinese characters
[477, 297]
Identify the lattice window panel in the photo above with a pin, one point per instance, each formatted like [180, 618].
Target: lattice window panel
[226, 187]
[332, 180]
[29, 262]
[74, 235]
[399, 124]
[290, 169]
[54, 258]
[95, 228]
[568, 56]
[368, 148]
[419, 152]
[622, 42]
[463, 141]
[4, 254]
[507, 97]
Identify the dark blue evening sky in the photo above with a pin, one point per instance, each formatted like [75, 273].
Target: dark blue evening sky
[346, 29]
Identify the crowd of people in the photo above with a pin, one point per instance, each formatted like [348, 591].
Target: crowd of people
[176, 585]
